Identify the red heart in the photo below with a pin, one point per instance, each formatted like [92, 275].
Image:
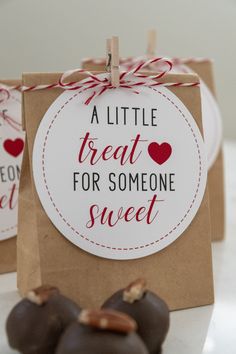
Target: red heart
[14, 147]
[159, 152]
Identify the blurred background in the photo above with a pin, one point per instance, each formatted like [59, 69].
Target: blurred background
[54, 35]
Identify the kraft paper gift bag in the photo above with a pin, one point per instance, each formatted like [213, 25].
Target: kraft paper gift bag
[216, 172]
[11, 151]
[212, 132]
[114, 187]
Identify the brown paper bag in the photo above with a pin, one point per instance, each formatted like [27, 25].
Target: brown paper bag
[8, 232]
[216, 173]
[181, 273]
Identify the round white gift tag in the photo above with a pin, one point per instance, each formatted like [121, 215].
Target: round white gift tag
[124, 176]
[12, 144]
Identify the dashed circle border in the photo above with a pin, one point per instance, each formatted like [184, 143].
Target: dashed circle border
[6, 230]
[86, 238]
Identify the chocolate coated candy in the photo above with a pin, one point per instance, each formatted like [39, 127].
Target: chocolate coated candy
[101, 332]
[149, 311]
[36, 322]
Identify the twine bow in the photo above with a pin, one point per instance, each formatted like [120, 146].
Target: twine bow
[131, 79]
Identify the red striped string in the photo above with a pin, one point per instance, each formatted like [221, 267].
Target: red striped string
[131, 79]
[4, 94]
[10, 121]
[131, 61]
[4, 97]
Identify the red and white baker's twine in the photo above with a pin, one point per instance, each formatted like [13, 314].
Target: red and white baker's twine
[4, 96]
[131, 61]
[129, 79]
[10, 121]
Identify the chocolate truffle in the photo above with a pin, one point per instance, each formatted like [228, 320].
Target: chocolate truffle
[149, 311]
[101, 332]
[36, 323]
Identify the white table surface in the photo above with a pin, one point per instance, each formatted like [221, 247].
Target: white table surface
[205, 330]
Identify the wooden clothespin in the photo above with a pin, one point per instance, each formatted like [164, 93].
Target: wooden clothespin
[108, 55]
[151, 43]
[113, 60]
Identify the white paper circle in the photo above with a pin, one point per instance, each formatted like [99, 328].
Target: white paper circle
[211, 118]
[75, 185]
[12, 143]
